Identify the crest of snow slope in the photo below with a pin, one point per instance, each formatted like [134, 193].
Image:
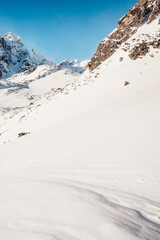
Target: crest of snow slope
[14, 57]
[25, 88]
[74, 65]
[89, 169]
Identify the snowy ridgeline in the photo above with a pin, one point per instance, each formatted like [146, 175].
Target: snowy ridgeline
[27, 76]
[15, 58]
[80, 152]
[74, 65]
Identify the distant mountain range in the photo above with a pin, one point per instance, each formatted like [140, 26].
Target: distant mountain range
[74, 65]
[15, 58]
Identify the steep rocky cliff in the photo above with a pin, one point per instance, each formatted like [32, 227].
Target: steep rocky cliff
[143, 12]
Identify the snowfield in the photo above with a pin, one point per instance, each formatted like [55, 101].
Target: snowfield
[88, 169]
[74, 65]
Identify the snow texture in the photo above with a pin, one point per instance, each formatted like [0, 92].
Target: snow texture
[88, 166]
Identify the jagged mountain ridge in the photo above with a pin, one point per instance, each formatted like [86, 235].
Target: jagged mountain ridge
[15, 58]
[74, 65]
[144, 11]
[27, 76]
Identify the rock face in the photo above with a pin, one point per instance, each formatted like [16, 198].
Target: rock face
[139, 51]
[144, 11]
[15, 58]
[143, 48]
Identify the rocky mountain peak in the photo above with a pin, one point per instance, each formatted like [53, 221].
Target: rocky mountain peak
[11, 37]
[15, 58]
[143, 12]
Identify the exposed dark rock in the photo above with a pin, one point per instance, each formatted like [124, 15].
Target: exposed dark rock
[121, 59]
[144, 11]
[23, 134]
[126, 83]
[139, 51]
[156, 44]
[143, 48]
[155, 12]
[30, 70]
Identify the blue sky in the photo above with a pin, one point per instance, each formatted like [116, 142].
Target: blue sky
[62, 29]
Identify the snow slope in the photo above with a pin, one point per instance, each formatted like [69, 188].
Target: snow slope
[89, 167]
[23, 89]
[74, 65]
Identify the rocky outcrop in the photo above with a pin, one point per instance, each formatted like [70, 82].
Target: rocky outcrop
[139, 51]
[155, 12]
[15, 58]
[144, 11]
[126, 83]
[142, 49]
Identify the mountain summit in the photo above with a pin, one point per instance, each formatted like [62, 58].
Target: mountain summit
[15, 58]
[10, 37]
[143, 12]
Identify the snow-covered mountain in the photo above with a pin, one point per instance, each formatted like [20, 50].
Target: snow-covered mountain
[74, 65]
[27, 87]
[14, 57]
[80, 152]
